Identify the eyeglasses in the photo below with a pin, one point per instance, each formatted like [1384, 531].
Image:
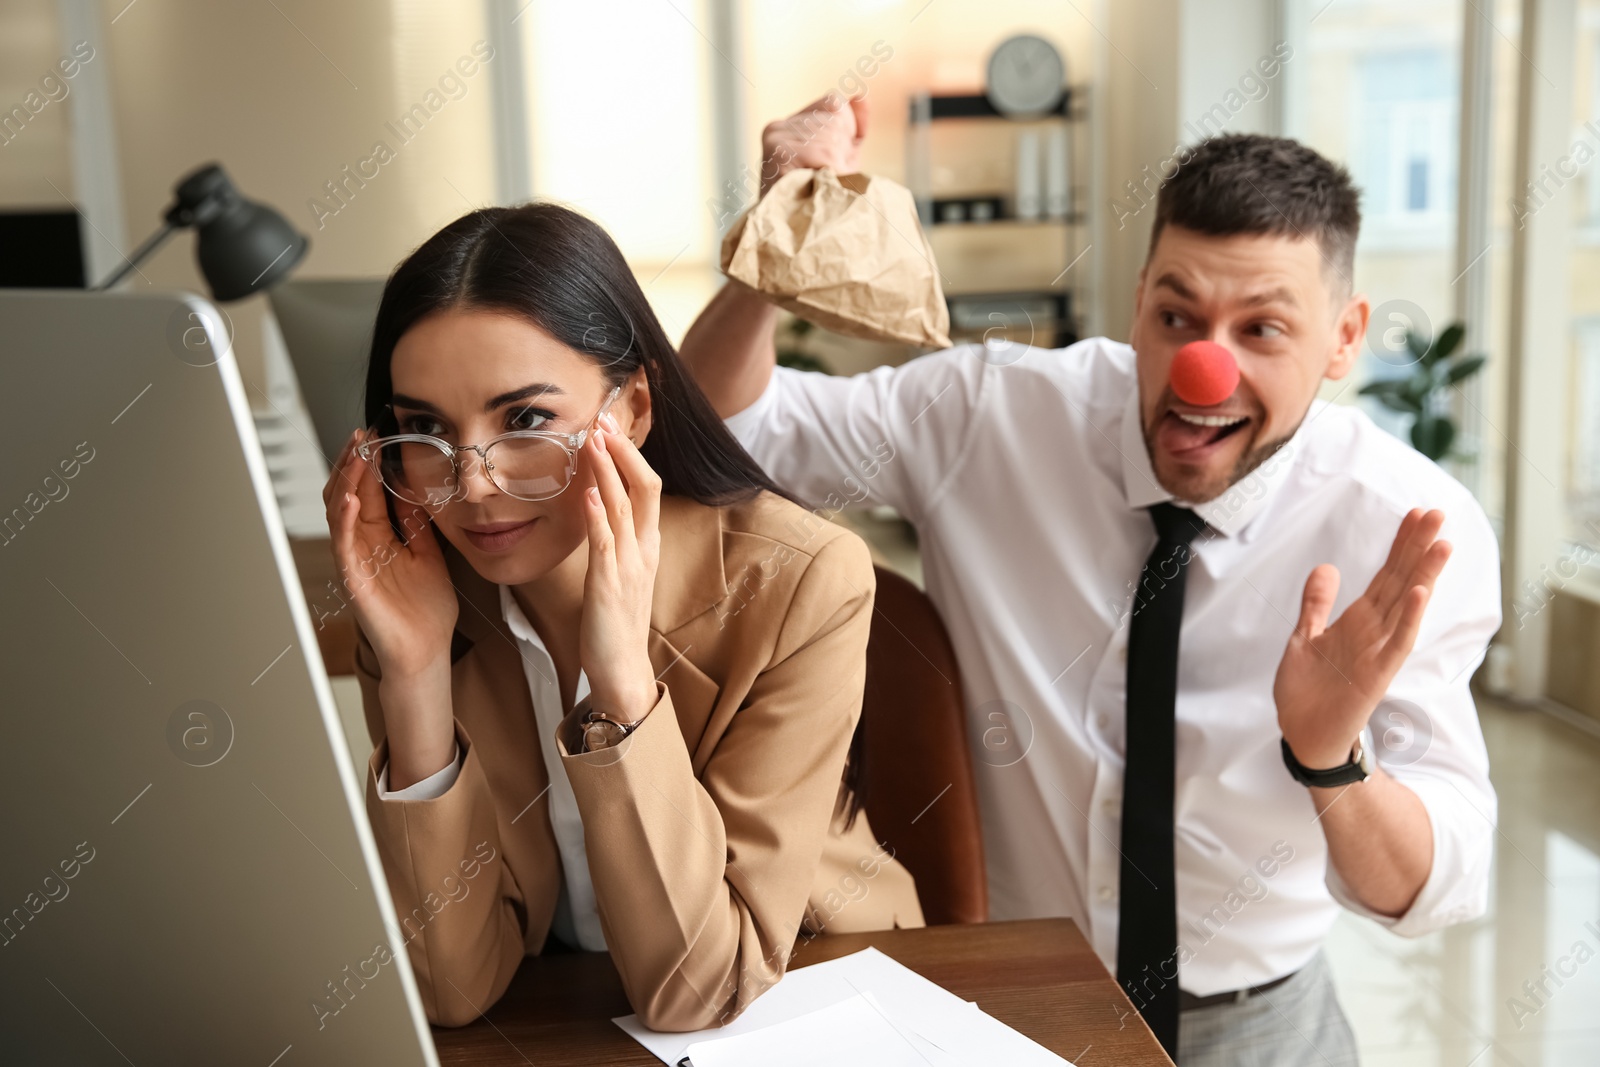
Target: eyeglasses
[526, 464]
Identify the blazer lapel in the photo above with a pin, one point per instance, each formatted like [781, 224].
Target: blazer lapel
[694, 696]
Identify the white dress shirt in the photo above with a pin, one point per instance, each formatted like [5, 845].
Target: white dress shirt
[576, 921]
[1025, 473]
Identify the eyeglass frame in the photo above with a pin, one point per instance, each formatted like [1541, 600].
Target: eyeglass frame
[570, 442]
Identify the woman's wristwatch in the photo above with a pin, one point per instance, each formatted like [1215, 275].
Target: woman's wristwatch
[1358, 769]
[603, 731]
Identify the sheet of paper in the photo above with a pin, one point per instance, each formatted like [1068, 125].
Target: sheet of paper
[955, 1027]
[806, 989]
[853, 1031]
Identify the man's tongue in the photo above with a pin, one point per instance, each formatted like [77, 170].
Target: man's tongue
[1180, 436]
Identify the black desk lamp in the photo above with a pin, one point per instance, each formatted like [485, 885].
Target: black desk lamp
[242, 246]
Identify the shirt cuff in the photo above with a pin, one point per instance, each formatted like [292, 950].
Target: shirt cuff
[429, 788]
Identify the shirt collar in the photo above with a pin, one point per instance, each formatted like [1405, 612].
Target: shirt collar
[1228, 514]
[517, 621]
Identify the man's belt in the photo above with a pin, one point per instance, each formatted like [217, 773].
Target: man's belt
[1188, 1001]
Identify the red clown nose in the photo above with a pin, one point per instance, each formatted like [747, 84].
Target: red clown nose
[1204, 373]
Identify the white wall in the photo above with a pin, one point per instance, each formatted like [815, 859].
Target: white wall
[1175, 71]
[35, 153]
[286, 96]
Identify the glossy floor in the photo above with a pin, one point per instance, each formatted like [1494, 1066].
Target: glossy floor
[1521, 986]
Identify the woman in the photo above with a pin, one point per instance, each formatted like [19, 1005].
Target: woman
[573, 742]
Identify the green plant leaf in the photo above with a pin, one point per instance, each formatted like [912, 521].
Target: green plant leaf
[1432, 435]
[1447, 437]
[1393, 394]
[1447, 342]
[1464, 368]
[1417, 344]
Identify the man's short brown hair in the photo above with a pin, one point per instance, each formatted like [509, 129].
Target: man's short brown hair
[1249, 183]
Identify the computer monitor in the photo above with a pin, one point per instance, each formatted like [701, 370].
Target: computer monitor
[41, 249]
[189, 875]
[327, 326]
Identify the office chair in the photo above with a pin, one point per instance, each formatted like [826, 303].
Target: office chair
[918, 786]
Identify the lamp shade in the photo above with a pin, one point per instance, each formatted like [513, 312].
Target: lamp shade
[242, 246]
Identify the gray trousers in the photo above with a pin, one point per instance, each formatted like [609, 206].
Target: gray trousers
[1298, 1024]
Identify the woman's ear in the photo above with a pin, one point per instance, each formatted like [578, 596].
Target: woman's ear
[635, 405]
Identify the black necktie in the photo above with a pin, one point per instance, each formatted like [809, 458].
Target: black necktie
[1147, 923]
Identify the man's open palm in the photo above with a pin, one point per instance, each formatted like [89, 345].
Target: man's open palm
[1332, 677]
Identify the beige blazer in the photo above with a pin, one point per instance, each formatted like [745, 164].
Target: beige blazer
[714, 832]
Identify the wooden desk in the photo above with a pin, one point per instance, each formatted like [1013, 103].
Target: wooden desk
[1039, 977]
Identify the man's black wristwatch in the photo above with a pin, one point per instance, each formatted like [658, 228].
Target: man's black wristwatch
[1358, 769]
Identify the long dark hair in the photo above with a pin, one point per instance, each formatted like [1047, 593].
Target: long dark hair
[563, 273]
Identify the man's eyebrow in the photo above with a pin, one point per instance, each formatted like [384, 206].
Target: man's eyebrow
[1281, 294]
[1171, 281]
[401, 400]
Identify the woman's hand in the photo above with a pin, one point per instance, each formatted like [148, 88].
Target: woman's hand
[622, 508]
[406, 607]
[402, 594]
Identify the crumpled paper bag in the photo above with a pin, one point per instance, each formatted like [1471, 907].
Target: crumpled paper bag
[845, 252]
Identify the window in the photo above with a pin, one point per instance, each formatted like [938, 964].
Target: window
[620, 130]
[1583, 447]
[1404, 138]
[1379, 94]
[1591, 211]
[1585, 480]
[621, 116]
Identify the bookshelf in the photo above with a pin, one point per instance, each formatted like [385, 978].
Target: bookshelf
[1007, 268]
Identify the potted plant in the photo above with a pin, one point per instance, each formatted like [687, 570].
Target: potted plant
[1424, 393]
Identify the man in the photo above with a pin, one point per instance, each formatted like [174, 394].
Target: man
[1136, 711]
